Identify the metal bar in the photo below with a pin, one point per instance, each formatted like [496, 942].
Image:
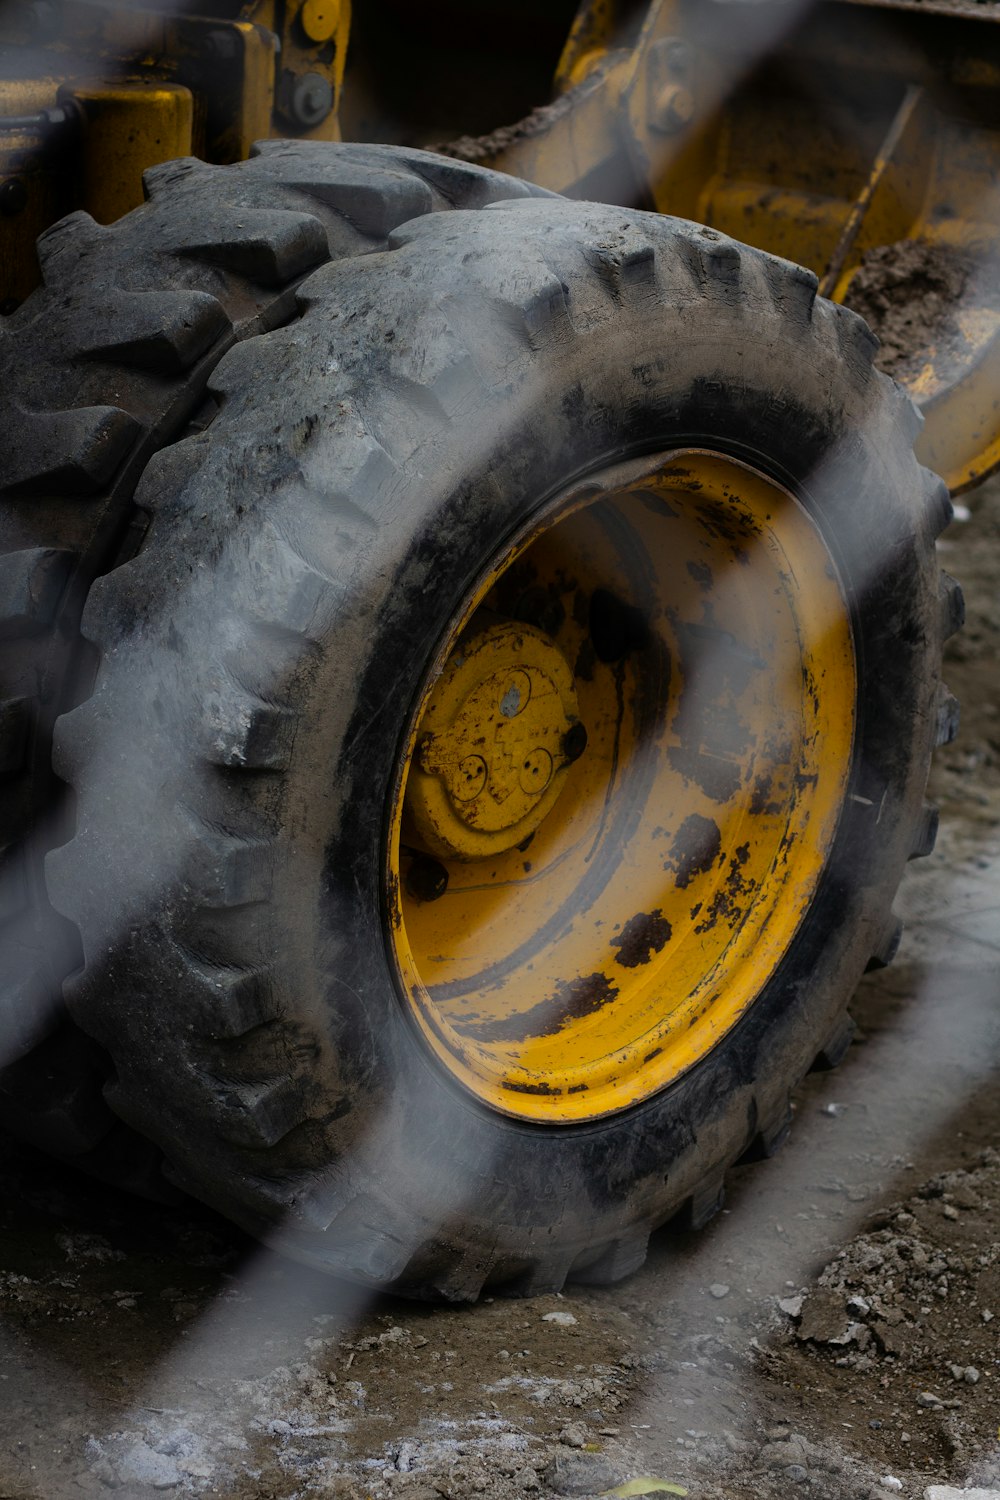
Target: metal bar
[856, 217]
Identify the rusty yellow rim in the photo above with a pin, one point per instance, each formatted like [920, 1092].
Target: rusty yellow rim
[620, 786]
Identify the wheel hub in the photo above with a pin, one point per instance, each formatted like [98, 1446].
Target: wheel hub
[499, 732]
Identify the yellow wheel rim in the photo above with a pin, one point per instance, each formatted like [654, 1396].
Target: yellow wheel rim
[620, 786]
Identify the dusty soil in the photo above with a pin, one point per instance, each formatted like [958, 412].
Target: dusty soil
[484, 149]
[833, 1333]
[908, 293]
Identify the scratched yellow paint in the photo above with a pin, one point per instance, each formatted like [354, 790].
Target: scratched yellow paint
[697, 618]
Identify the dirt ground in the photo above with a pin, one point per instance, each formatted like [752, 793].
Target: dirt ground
[833, 1333]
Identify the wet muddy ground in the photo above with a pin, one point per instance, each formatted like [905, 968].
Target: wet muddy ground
[834, 1333]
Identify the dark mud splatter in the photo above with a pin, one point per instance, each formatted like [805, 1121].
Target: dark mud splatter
[718, 779]
[643, 935]
[572, 999]
[730, 902]
[694, 850]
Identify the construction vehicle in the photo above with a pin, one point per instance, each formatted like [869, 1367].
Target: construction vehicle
[472, 643]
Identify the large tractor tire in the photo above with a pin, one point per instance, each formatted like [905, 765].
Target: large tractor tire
[508, 737]
[106, 364]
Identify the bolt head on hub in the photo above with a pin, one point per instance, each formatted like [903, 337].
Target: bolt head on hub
[499, 733]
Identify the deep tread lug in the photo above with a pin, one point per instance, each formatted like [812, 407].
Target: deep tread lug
[834, 1049]
[711, 258]
[616, 1261]
[240, 731]
[65, 242]
[770, 1135]
[259, 1115]
[701, 1207]
[952, 606]
[886, 946]
[272, 248]
[625, 268]
[374, 203]
[542, 312]
[229, 872]
[462, 1280]
[937, 498]
[165, 175]
[167, 474]
[547, 1275]
[163, 332]
[794, 290]
[373, 1253]
[925, 836]
[68, 452]
[236, 1000]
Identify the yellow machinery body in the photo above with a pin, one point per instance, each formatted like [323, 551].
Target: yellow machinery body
[828, 132]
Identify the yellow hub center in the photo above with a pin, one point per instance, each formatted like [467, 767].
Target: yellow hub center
[674, 730]
[499, 731]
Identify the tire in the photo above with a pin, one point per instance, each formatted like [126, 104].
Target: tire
[313, 573]
[106, 364]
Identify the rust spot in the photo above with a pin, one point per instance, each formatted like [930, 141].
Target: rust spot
[650, 1055]
[641, 937]
[761, 800]
[718, 779]
[392, 894]
[701, 573]
[730, 901]
[571, 1000]
[694, 850]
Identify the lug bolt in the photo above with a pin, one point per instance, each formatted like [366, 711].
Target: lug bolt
[311, 100]
[426, 879]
